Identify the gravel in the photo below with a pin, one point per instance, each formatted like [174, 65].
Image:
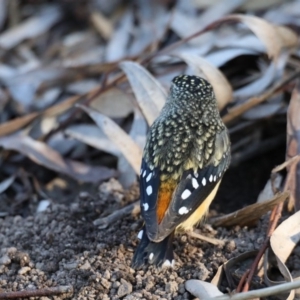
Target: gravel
[61, 246]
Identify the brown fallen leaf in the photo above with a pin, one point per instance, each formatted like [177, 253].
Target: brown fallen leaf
[250, 214]
[43, 155]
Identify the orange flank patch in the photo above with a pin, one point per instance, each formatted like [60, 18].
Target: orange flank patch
[165, 194]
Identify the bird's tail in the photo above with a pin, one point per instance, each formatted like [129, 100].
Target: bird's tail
[159, 254]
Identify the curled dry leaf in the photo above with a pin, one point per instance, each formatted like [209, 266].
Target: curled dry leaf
[288, 37]
[269, 259]
[202, 289]
[149, 93]
[293, 145]
[236, 267]
[203, 68]
[264, 30]
[122, 140]
[43, 155]
[285, 237]
[250, 214]
[283, 241]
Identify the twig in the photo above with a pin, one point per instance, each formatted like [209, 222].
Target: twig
[273, 221]
[51, 291]
[239, 110]
[274, 290]
[133, 208]
[242, 281]
[287, 163]
[213, 241]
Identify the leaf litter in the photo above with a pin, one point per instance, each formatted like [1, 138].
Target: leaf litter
[115, 61]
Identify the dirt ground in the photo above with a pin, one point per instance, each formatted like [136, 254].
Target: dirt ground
[61, 246]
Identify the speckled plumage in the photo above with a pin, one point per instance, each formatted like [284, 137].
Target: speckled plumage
[185, 157]
[184, 133]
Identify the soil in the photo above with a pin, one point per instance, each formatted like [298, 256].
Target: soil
[61, 246]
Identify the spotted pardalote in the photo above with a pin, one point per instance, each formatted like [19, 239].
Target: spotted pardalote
[186, 154]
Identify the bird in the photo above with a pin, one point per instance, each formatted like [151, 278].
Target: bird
[186, 154]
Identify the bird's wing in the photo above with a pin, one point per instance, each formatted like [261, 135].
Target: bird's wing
[171, 203]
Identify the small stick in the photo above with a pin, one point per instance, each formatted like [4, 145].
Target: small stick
[287, 163]
[213, 241]
[273, 290]
[242, 281]
[133, 208]
[51, 291]
[273, 221]
[239, 110]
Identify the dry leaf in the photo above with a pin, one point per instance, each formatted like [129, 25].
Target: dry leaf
[102, 24]
[18, 123]
[293, 149]
[117, 45]
[31, 27]
[288, 37]
[43, 155]
[267, 192]
[138, 133]
[93, 136]
[5, 184]
[113, 103]
[122, 140]
[203, 68]
[149, 94]
[286, 236]
[202, 289]
[264, 30]
[250, 214]
[283, 241]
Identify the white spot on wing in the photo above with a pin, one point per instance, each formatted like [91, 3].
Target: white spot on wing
[144, 174]
[149, 177]
[220, 174]
[149, 190]
[215, 178]
[183, 210]
[186, 193]
[210, 178]
[146, 206]
[151, 256]
[195, 183]
[204, 181]
[196, 174]
[140, 234]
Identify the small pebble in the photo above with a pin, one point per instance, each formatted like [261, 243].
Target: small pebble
[5, 260]
[171, 287]
[125, 288]
[24, 270]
